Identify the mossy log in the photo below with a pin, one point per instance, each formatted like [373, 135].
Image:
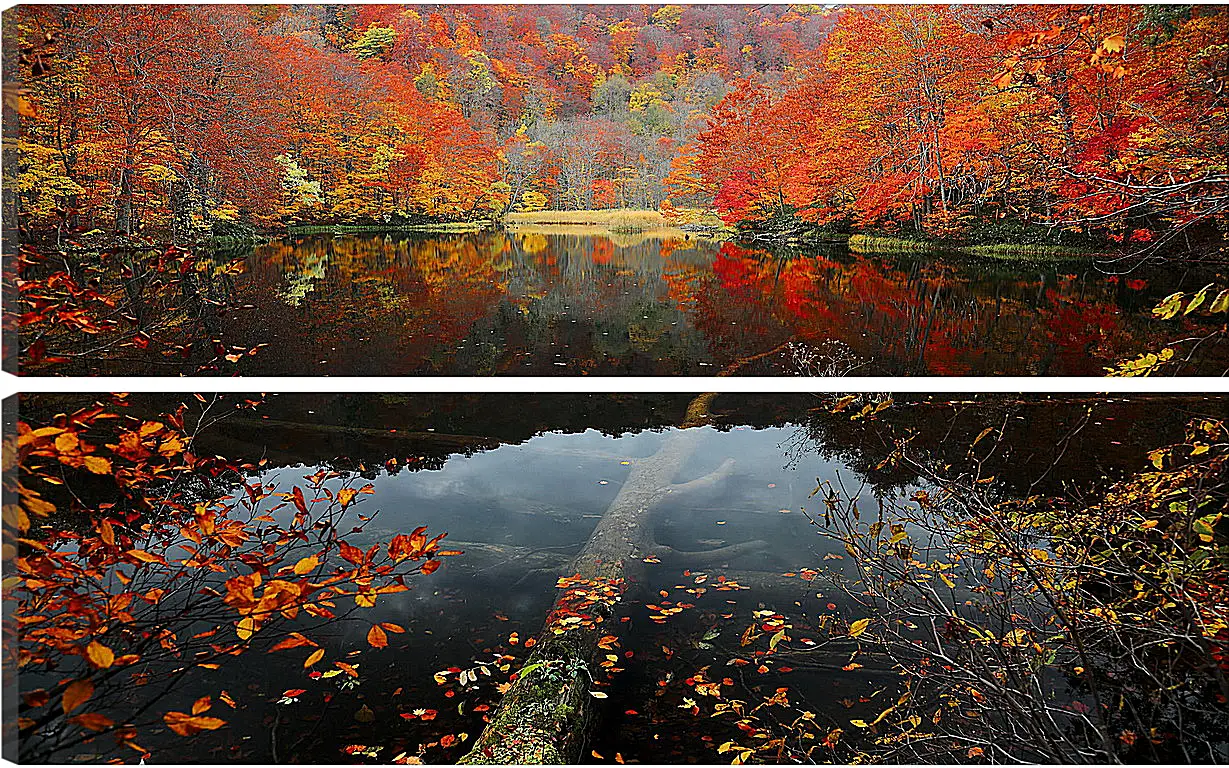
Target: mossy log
[546, 716]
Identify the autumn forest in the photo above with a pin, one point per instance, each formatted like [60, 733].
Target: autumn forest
[1007, 124]
[1030, 569]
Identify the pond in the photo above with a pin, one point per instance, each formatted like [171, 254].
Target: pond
[547, 303]
[520, 490]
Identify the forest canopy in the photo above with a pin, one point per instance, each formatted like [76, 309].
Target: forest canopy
[944, 121]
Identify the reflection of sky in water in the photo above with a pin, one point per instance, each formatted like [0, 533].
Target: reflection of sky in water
[551, 490]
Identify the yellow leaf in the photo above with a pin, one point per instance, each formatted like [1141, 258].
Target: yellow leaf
[98, 465]
[858, 627]
[247, 627]
[99, 655]
[316, 656]
[145, 557]
[843, 403]
[1221, 303]
[306, 565]
[16, 517]
[345, 496]
[1113, 43]
[1015, 637]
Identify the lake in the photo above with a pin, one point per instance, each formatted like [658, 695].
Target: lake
[568, 303]
[520, 489]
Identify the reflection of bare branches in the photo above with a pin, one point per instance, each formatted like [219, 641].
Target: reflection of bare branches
[831, 358]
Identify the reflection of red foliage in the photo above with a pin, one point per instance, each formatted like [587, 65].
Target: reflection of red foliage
[914, 317]
[1078, 329]
[603, 250]
[732, 268]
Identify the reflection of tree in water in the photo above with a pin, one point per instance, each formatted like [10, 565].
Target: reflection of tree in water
[911, 315]
[561, 302]
[407, 299]
[590, 302]
[1045, 444]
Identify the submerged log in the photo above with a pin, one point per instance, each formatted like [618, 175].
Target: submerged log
[547, 713]
[508, 564]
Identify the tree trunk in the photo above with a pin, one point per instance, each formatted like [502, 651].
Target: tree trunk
[547, 714]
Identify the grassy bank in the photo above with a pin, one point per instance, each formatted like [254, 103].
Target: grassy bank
[879, 244]
[626, 221]
[1026, 251]
[353, 229]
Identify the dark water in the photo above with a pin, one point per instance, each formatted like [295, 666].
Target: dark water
[521, 488]
[504, 303]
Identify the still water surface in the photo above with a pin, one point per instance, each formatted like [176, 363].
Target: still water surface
[548, 303]
[522, 503]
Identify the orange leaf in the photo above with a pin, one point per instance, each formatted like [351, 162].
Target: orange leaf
[294, 641]
[350, 552]
[376, 637]
[344, 667]
[431, 566]
[108, 532]
[188, 725]
[95, 721]
[317, 655]
[391, 627]
[76, 694]
[296, 495]
[145, 557]
[99, 655]
[201, 705]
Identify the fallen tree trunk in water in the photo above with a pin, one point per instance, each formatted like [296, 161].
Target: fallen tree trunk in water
[503, 564]
[546, 715]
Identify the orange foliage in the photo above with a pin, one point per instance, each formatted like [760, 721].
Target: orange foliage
[116, 515]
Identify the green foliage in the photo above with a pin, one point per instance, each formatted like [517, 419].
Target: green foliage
[374, 42]
[612, 95]
[302, 196]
